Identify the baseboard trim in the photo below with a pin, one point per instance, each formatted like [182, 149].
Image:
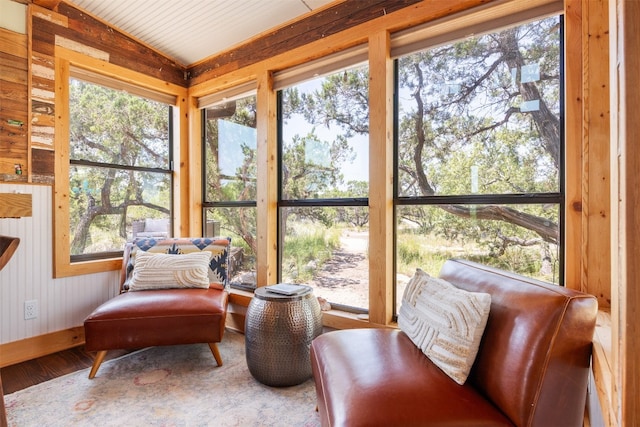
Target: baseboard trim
[41, 345]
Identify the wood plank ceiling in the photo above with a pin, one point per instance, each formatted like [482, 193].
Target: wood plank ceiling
[189, 31]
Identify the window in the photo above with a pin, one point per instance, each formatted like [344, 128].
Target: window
[116, 155]
[324, 186]
[120, 174]
[479, 153]
[229, 207]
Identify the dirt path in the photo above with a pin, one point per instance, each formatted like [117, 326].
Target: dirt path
[345, 278]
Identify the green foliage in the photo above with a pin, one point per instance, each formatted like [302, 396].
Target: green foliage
[306, 250]
[312, 165]
[239, 118]
[117, 130]
[342, 100]
[429, 252]
[463, 130]
[308, 174]
[239, 223]
[231, 170]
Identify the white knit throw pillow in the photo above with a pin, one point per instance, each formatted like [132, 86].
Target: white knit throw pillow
[445, 322]
[166, 271]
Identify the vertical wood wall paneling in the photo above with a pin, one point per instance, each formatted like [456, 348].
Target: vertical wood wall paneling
[14, 100]
[63, 303]
[625, 80]
[596, 185]
[381, 269]
[607, 383]
[61, 169]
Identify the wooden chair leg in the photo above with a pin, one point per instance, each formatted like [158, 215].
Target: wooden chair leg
[216, 353]
[96, 363]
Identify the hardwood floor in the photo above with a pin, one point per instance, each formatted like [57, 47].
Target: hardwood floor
[32, 372]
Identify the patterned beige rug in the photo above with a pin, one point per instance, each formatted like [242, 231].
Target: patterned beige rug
[166, 386]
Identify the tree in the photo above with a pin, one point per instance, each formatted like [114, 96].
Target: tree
[479, 120]
[478, 116]
[230, 149]
[109, 131]
[312, 164]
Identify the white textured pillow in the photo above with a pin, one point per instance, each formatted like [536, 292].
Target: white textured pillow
[166, 271]
[445, 322]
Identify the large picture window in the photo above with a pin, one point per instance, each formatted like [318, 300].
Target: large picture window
[324, 186]
[120, 173]
[479, 153]
[230, 167]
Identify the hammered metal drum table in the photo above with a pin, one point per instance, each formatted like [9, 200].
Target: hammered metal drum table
[278, 334]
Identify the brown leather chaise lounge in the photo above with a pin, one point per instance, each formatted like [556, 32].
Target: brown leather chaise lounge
[158, 317]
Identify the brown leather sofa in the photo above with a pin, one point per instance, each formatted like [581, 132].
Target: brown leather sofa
[531, 369]
[138, 319]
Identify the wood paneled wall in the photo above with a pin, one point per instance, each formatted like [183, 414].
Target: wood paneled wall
[63, 303]
[589, 209]
[596, 175]
[75, 30]
[625, 164]
[27, 77]
[14, 117]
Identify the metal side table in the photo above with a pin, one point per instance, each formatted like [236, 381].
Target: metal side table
[278, 334]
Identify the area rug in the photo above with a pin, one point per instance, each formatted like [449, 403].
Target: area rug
[166, 386]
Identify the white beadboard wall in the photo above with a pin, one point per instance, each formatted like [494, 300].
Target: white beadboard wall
[63, 303]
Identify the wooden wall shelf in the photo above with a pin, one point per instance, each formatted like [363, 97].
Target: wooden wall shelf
[8, 246]
[15, 205]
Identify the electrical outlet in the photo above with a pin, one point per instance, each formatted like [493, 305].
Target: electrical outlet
[30, 309]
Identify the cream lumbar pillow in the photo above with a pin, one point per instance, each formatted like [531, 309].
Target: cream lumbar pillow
[167, 271]
[445, 322]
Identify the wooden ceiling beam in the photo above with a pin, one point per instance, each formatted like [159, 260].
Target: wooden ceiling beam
[47, 4]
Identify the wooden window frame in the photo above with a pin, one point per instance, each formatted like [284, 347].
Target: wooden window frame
[205, 102]
[65, 60]
[379, 35]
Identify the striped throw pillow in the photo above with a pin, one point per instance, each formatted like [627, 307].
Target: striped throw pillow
[445, 322]
[167, 271]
